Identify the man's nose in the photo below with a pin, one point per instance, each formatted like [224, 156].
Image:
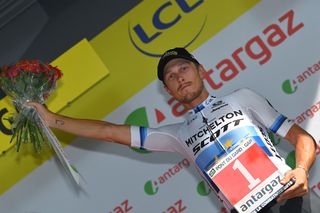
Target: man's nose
[180, 78]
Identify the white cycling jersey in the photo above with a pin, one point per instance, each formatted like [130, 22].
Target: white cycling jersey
[218, 120]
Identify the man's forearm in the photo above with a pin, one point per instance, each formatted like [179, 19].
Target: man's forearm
[305, 147]
[100, 130]
[80, 127]
[305, 151]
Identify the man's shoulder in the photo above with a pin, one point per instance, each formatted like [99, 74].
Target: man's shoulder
[242, 93]
[170, 128]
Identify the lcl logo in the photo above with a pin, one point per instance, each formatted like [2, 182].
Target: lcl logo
[159, 26]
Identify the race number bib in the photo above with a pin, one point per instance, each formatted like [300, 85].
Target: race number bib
[247, 177]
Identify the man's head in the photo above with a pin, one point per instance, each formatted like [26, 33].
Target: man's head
[166, 57]
[182, 76]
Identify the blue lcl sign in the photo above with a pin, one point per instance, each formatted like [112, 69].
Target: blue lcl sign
[185, 7]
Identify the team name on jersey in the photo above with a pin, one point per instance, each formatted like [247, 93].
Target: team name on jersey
[217, 126]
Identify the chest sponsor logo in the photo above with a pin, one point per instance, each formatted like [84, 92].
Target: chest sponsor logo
[218, 105]
[218, 126]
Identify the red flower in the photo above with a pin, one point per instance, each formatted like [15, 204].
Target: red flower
[4, 71]
[13, 71]
[4, 68]
[32, 66]
[57, 72]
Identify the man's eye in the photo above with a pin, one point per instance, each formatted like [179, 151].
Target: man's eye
[171, 77]
[184, 68]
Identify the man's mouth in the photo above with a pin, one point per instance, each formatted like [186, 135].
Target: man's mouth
[183, 86]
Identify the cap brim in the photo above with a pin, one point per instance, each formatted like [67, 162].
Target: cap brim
[165, 61]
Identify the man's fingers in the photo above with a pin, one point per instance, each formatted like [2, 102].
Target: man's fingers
[287, 177]
[34, 105]
[300, 188]
[31, 104]
[288, 193]
[292, 194]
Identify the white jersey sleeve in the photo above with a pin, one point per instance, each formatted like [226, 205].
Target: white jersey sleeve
[157, 139]
[264, 112]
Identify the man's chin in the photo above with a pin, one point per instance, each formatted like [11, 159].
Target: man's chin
[189, 97]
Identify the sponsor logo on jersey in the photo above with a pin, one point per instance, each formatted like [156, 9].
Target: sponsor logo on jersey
[218, 105]
[217, 127]
[207, 102]
[215, 137]
[194, 117]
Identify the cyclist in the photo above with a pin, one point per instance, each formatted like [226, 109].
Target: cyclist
[213, 127]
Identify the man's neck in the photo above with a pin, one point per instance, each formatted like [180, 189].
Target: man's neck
[201, 98]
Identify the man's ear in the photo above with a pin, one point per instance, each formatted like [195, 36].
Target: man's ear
[167, 89]
[202, 71]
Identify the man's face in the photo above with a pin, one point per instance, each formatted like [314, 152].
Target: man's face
[183, 80]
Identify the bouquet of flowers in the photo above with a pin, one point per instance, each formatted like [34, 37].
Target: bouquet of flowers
[28, 81]
[32, 81]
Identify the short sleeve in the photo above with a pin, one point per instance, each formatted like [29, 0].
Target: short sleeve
[156, 139]
[264, 112]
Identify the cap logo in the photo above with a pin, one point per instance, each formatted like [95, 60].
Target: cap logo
[170, 53]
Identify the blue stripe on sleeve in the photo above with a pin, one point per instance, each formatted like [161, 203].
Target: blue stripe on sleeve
[278, 122]
[143, 135]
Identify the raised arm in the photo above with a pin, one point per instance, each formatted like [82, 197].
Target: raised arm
[95, 129]
[305, 147]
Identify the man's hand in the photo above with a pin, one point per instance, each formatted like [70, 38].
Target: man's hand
[305, 147]
[300, 187]
[45, 114]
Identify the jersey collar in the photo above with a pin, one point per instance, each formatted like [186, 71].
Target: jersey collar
[203, 105]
